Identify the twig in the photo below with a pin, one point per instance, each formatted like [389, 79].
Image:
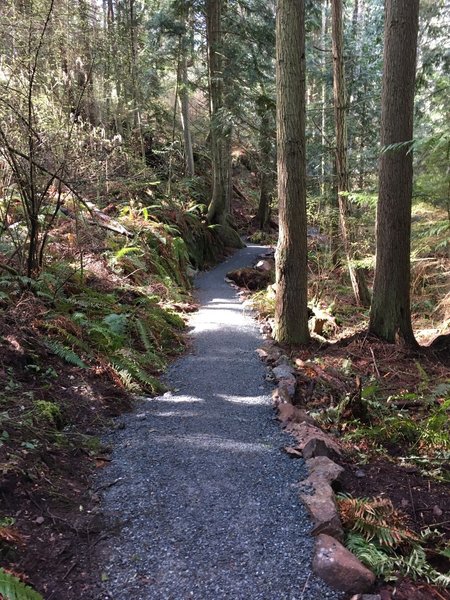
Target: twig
[109, 485]
[412, 501]
[305, 586]
[69, 570]
[375, 363]
[435, 524]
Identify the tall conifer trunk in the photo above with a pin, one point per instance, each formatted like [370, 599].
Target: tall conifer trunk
[357, 277]
[219, 207]
[391, 313]
[291, 310]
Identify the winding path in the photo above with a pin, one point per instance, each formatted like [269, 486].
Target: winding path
[206, 502]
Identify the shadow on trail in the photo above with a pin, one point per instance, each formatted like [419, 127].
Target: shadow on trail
[206, 499]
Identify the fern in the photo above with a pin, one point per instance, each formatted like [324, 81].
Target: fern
[144, 334]
[372, 556]
[150, 357]
[68, 337]
[65, 353]
[375, 519]
[129, 369]
[12, 588]
[390, 565]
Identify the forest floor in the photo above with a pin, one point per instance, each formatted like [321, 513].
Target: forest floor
[389, 406]
[52, 507]
[53, 412]
[387, 453]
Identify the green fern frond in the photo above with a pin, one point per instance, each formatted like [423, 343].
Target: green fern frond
[147, 339]
[65, 353]
[130, 361]
[372, 556]
[144, 333]
[12, 588]
[68, 337]
[375, 519]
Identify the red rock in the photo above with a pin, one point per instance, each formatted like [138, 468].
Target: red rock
[318, 498]
[322, 467]
[339, 568]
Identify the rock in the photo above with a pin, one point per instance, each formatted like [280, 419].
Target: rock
[251, 279]
[322, 467]
[366, 597]
[288, 386]
[39, 520]
[319, 446]
[339, 568]
[304, 433]
[360, 473]
[287, 412]
[280, 395]
[283, 371]
[318, 498]
[265, 265]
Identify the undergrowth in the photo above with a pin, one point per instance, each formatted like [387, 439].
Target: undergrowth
[379, 536]
[99, 323]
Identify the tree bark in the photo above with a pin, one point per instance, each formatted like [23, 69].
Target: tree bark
[357, 278]
[291, 308]
[390, 315]
[220, 132]
[184, 95]
[266, 158]
[184, 113]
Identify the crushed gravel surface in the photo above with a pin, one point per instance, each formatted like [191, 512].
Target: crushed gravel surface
[201, 502]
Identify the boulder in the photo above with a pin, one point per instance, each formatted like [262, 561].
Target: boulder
[339, 568]
[251, 279]
[318, 497]
[287, 412]
[288, 385]
[283, 371]
[322, 467]
[313, 441]
[281, 395]
[265, 265]
[318, 447]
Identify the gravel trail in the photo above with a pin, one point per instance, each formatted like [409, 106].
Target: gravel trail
[204, 503]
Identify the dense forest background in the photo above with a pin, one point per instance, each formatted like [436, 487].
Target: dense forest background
[137, 146]
[116, 106]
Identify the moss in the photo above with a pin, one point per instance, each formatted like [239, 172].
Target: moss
[48, 412]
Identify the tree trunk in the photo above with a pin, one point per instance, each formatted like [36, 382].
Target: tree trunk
[391, 313]
[324, 155]
[184, 94]
[266, 168]
[220, 133]
[357, 278]
[184, 113]
[291, 308]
